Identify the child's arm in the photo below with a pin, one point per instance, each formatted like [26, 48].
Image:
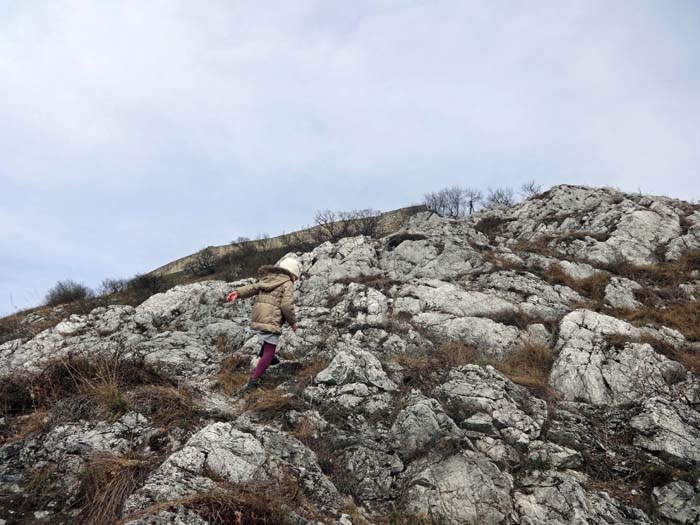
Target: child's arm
[243, 292]
[287, 305]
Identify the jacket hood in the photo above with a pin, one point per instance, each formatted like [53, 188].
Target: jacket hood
[273, 276]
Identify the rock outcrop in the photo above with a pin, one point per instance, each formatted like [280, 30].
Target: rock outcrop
[526, 365]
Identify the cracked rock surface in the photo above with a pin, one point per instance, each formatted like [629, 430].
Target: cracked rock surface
[527, 365]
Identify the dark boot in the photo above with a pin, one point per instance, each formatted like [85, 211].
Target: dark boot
[275, 361]
[251, 385]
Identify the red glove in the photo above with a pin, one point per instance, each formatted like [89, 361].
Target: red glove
[232, 296]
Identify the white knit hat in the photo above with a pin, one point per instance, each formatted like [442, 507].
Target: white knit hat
[292, 266]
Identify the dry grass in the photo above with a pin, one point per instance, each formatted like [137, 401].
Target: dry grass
[669, 274]
[401, 518]
[380, 282]
[529, 366]
[233, 374]
[684, 316]
[107, 480]
[244, 503]
[422, 370]
[490, 226]
[688, 357]
[272, 402]
[24, 426]
[502, 263]
[513, 318]
[306, 375]
[592, 287]
[166, 405]
[98, 384]
[539, 245]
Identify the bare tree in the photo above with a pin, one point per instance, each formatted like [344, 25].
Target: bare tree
[530, 189]
[204, 262]
[240, 239]
[367, 221]
[330, 225]
[110, 286]
[264, 241]
[448, 202]
[500, 197]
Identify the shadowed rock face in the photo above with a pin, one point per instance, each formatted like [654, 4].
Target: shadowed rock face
[417, 383]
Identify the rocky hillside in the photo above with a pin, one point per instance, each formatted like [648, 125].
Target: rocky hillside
[527, 365]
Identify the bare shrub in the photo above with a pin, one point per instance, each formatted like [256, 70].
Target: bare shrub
[264, 241]
[204, 263]
[240, 239]
[147, 284]
[67, 291]
[500, 197]
[361, 222]
[530, 189]
[330, 226]
[451, 202]
[112, 286]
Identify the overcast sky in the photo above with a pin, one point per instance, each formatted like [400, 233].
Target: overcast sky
[134, 133]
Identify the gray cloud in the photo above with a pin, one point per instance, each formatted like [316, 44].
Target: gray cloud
[134, 133]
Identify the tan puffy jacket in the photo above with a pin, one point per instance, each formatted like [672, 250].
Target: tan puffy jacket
[274, 303]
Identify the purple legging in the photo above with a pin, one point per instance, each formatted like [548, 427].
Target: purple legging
[265, 360]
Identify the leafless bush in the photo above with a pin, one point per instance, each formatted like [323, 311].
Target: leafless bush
[530, 189]
[240, 239]
[362, 222]
[204, 262]
[264, 241]
[67, 291]
[500, 197]
[147, 284]
[330, 226]
[453, 202]
[111, 286]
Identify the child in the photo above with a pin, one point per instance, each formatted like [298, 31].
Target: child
[274, 304]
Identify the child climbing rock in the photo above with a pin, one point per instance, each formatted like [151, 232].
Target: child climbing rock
[274, 305]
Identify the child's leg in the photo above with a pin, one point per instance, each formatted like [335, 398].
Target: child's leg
[265, 360]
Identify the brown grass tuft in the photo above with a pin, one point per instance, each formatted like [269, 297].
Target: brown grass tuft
[529, 366]
[233, 374]
[422, 369]
[244, 503]
[380, 282]
[168, 406]
[402, 518]
[592, 287]
[688, 357]
[684, 316]
[107, 481]
[272, 402]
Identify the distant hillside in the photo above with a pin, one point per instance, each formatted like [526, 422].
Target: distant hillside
[388, 222]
